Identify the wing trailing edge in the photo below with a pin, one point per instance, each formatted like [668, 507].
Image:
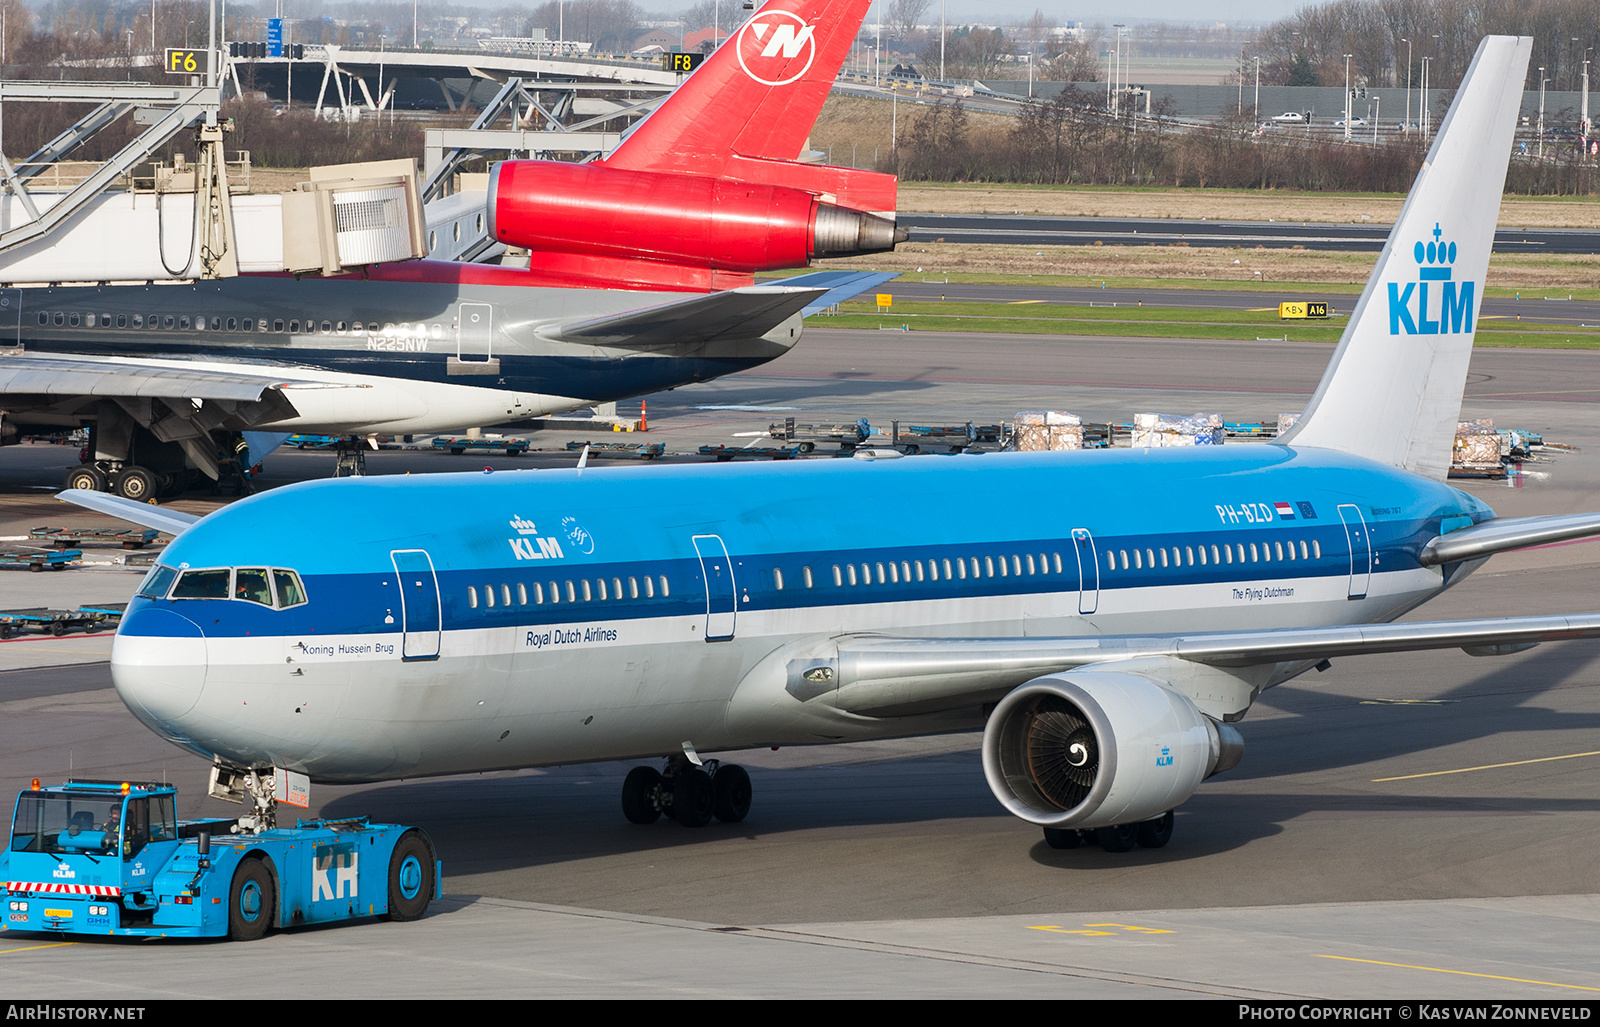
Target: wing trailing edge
[881, 676]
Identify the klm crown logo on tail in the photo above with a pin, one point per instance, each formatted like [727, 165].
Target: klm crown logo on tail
[776, 47]
[1434, 293]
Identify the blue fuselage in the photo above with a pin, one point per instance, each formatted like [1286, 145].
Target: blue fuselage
[468, 621]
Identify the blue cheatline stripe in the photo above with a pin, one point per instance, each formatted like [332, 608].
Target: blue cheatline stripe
[357, 603]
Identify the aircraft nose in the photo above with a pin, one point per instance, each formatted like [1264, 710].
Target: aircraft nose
[158, 664]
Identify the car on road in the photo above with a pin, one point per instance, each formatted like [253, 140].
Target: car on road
[1354, 122]
[1290, 118]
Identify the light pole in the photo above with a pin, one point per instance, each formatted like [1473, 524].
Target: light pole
[1422, 99]
[1377, 112]
[1407, 42]
[1542, 81]
[1347, 98]
[1258, 90]
[942, 4]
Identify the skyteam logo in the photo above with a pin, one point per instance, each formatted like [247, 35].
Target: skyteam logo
[1448, 310]
[776, 47]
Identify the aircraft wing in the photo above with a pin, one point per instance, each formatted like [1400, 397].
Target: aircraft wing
[745, 313]
[1506, 533]
[886, 676]
[173, 522]
[841, 286]
[49, 375]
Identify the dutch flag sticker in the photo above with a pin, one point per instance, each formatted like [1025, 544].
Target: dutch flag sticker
[1285, 511]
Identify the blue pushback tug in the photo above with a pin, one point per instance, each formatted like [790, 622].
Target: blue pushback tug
[110, 857]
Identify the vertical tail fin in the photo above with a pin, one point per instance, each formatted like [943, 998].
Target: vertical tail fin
[1393, 389]
[758, 95]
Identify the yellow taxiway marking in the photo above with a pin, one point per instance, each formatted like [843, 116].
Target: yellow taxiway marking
[1407, 702]
[30, 948]
[1487, 766]
[1022, 303]
[1463, 973]
[1091, 932]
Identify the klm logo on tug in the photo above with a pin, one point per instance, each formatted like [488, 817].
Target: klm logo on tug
[530, 545]
[1453, 306]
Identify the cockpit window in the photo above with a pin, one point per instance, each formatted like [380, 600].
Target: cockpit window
[251, 585]
[207, 584]
[289, 591]
[157, 582]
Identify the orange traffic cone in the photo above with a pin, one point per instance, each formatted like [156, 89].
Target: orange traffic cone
[643, 426]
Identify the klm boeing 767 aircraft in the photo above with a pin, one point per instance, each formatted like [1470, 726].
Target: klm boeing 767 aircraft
[1107, 634]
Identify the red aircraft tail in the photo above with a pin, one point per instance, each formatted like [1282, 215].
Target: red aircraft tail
[757, 95]
[706, 190]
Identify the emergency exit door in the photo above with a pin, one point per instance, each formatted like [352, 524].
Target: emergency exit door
[474, 340]
[1355, 530]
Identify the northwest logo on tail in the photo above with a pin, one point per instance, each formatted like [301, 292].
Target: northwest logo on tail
[772, 44]
[1448, 310]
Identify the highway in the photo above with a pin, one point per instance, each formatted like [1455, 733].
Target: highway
[1036, 230]
[1321, 867]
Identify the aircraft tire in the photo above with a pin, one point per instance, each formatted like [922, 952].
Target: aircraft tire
[90, 478]
[1153, 834]
[410, 878]
[1062, 838]
[693, 798]
[637, 798]
[733, 793]
[1118, 838]
[137, 484]
[250, 901]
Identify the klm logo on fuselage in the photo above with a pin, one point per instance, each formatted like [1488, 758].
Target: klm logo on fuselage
[530, 545]
[1434, 304]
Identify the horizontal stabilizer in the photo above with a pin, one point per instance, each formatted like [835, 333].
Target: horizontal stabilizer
[746, 313]
[1507, 533]
[841, 286]
[172, 522]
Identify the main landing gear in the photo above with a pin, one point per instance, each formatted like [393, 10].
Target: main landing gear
[1151, 834]
[689, 794]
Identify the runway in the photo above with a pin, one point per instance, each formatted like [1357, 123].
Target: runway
[1036, 230]
[1321, 867]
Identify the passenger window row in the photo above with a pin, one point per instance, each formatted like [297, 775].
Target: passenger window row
[582, 590]
[947, 569]
[1188, 556]
[201, 323]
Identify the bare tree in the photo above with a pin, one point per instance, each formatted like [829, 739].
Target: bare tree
[906, 15]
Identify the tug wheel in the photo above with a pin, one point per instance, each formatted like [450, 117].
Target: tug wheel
[250, 901]
[410, 878]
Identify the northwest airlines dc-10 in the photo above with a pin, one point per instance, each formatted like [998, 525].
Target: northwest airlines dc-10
[640, 279]
[1106, 644]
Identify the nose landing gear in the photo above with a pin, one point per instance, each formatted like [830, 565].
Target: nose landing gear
[689, 794]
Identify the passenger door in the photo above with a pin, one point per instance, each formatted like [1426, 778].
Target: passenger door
[1088, 570]
[716, 570]
[1355, 530]
[419, 604]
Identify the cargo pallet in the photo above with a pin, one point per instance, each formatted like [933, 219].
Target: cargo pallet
[620, 450]
[39, 560]
[512, 447]
[65, 538]
[41, 620]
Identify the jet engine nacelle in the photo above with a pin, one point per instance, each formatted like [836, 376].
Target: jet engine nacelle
[690, 220]
[1088, 749]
